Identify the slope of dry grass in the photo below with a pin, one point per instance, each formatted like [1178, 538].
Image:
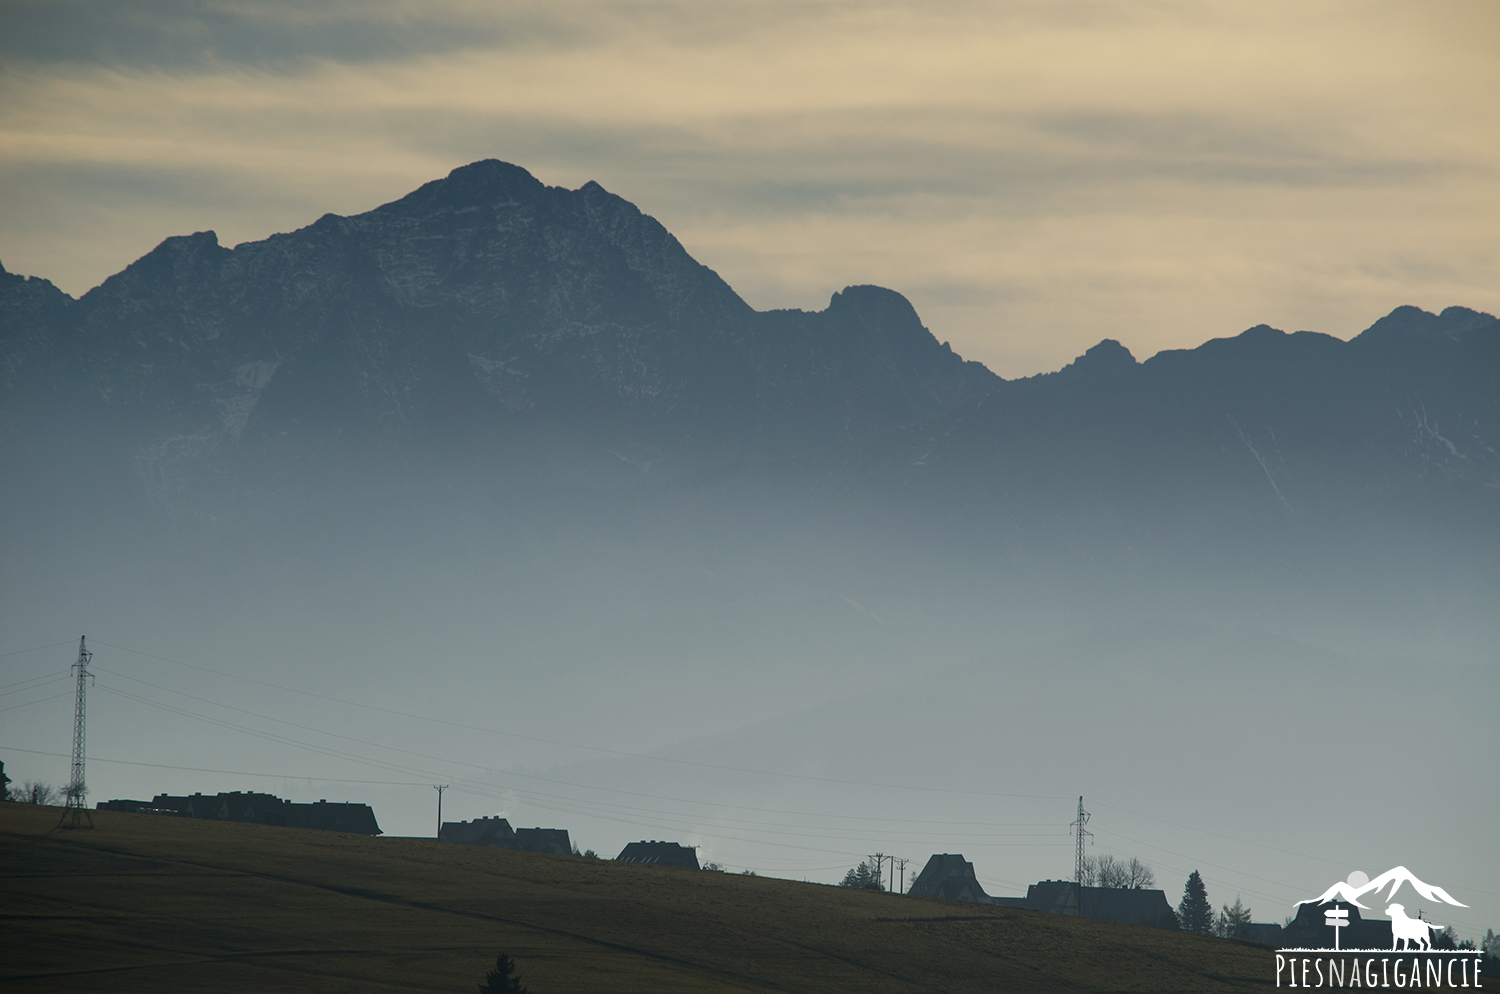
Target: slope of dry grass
[144, 902]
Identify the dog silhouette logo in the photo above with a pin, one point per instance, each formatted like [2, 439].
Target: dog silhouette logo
[1409, 930]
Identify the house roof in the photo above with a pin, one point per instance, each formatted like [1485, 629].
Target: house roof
[552, 840]
[949, 876]
[268, 809]
[1128, 905]
[660, 854]
[493, 832]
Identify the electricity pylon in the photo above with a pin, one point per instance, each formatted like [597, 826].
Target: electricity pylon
[1080, 862]
[75, 813]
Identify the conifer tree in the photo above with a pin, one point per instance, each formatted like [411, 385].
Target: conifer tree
[865, 876]
[1233, 921]
[1195, 913]
[503, 979]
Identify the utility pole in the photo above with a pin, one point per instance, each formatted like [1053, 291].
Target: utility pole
[902, 863]
[440, 787]
[1079, 860]
[879, 859]
[75, 812]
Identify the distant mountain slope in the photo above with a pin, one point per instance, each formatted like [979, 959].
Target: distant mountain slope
[505, 453]
[482, 302]
[495, 327]
[1263, 427]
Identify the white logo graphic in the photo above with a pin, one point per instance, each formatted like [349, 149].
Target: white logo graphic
[1338, 918]
[1409, 930]
[1365, 961]
[1359, 884]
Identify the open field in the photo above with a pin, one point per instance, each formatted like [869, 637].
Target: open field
[153, 903]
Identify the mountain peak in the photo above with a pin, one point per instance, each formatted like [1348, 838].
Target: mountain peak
[1108, 358]
[488, 181]
[490, 173]
[866, 299]
[1408, 323]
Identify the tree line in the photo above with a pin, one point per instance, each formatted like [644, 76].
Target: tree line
[31, 792]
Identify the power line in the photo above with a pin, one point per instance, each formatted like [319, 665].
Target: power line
[36, 681]
[36, 648]
[286, 741]
[227, 773]
[39, 700]
[613, 812]
[557, 802]
[1220, 835]
[588, 748]
[478, 787]
[629, 814]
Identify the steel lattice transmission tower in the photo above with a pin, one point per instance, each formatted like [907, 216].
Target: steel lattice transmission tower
[77, 789]
[1080, 861]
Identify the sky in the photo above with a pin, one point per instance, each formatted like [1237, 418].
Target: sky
[1033, 176]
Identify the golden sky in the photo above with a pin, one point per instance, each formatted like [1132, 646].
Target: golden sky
[1035, 176]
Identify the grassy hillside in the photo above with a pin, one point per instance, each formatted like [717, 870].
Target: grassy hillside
[144, 902]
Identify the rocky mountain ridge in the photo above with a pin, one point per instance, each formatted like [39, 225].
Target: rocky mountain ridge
[487, 318]
[483, 299]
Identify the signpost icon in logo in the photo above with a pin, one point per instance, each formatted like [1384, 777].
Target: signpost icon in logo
[1338, 918]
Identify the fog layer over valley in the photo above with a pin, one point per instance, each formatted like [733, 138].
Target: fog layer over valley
[794, 587]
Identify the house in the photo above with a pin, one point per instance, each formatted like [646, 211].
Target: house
[496, 833]
[1056, 897]
[659, 854]
[1126, 905]
[951, 877]
[134, 807]
[1266, 933]
[332, 816]
[549, 840]
[256, 809]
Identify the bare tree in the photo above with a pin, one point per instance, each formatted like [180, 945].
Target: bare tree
[1102, 871]
[1107, 871]
[1138, 875]
[36, 792]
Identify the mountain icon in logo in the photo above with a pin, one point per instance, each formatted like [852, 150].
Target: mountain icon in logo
[1358, 885]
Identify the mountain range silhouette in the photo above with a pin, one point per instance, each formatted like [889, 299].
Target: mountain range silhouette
[523, 380]
[1394, 878]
